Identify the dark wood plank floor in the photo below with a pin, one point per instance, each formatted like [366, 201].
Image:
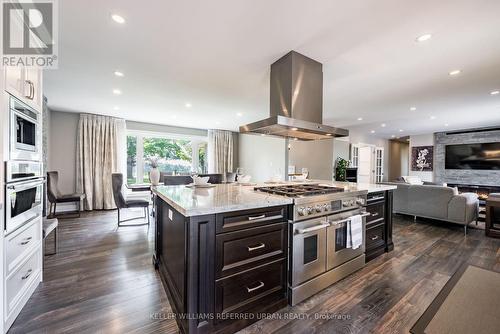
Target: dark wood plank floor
[102, 281]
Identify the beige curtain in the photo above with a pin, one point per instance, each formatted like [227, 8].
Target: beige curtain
[220, 150]
[98, 143]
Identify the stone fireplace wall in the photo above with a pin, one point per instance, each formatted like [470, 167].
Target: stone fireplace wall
[470, 177]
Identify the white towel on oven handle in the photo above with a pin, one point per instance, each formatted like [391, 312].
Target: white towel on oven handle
[355, 232]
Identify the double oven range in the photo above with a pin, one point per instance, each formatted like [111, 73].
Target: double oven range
[24, 175]
[319, 254]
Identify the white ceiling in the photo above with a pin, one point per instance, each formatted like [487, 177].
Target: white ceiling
[216, 55]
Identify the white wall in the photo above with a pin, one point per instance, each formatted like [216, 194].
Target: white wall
[262, 157]
[421, 140]
[316, 156]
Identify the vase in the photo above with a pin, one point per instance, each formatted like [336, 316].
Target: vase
[154, 176]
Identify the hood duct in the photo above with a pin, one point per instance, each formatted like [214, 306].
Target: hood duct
[296, 108]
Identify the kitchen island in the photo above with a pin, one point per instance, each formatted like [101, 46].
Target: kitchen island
[222, 252]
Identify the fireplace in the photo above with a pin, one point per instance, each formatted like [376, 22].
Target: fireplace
[482, 191]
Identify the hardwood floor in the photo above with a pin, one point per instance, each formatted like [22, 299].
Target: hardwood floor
[102, 281]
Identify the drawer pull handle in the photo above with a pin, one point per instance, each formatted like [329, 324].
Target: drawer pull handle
[375, 214]
[26, 241]
[374, 238]
[28, 274]
[259, 246]
[261, 285]
[257, 217]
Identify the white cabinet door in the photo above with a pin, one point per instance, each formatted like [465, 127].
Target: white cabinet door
[33, 79]
[14, 81]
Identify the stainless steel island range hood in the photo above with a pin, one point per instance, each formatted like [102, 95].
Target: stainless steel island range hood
[296, 108]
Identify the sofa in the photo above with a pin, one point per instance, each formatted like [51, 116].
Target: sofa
[436, 202]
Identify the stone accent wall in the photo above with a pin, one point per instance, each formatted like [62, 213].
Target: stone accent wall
[473, 177]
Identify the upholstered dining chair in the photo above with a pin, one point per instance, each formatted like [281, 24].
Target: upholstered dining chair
[213, 178]
[122, 203]
[54, 194]
[177, 180]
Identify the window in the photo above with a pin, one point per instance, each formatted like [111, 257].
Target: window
[174, 156]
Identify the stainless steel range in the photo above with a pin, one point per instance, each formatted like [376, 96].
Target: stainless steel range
[319, 252]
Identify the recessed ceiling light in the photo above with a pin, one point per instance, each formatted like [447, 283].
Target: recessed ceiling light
[360, 118]
[495, 92]
[383, 125]
[413, 108]
[446, 124]
[119, 74]
[424, 38]
[400, 130]
[393, 136]
[455, 72]
[373, 131]
[188, 105]
[239, 114]
[433, 117]
[116, 108]
[118, 18]
[294, 129]
[117, 92]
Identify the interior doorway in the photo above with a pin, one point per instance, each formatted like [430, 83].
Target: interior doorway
[369, 160]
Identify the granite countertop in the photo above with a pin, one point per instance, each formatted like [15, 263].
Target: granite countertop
[233, 197]
[221, 198]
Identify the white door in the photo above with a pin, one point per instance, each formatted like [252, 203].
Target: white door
[365, 170]
[379, 164]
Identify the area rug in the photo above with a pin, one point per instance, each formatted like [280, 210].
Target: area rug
[468, 303]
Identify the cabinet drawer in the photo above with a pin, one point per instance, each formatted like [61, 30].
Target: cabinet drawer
[375, 197]
[237, 220]
[17, 284]
[20, 243]
[242, 291]
[236, 251]
[377, 212]
[375, 236]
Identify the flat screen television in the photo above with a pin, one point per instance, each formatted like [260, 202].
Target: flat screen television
[484, 156]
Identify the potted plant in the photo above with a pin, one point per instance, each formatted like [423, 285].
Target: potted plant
[154, 174]
[341, 168]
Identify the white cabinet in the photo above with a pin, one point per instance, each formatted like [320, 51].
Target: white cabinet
[25, 84]
[33, 87]
[14, 81]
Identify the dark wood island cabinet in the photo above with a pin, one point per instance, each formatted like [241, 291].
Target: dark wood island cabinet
[379, 224]
[222, 270]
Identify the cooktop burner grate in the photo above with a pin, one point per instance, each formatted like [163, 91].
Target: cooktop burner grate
[298, 190]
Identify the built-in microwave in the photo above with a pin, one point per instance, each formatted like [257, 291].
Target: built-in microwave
[25, 131]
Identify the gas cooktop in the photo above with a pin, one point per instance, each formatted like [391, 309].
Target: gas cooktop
[300, 190]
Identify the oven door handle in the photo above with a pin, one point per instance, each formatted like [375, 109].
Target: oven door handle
[20, 186]
[336, 223]
[312, 228]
